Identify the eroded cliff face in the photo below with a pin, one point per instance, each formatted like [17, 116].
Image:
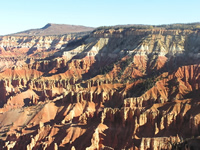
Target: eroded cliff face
[18, 50]
[114, 89]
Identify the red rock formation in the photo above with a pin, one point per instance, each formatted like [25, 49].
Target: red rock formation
[117, 90]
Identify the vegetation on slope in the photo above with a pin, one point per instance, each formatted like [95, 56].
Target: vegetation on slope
[181, 26]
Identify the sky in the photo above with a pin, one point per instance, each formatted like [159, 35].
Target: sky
[20, 15]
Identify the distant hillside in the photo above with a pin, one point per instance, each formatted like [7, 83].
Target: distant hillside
[55, 29]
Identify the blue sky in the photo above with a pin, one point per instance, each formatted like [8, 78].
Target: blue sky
[19, 15]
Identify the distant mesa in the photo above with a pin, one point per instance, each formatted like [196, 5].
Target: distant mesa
[54, 29]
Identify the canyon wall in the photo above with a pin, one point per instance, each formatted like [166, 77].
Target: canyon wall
[112, 89]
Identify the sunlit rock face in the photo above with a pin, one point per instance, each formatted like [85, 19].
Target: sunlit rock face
[119, 88]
